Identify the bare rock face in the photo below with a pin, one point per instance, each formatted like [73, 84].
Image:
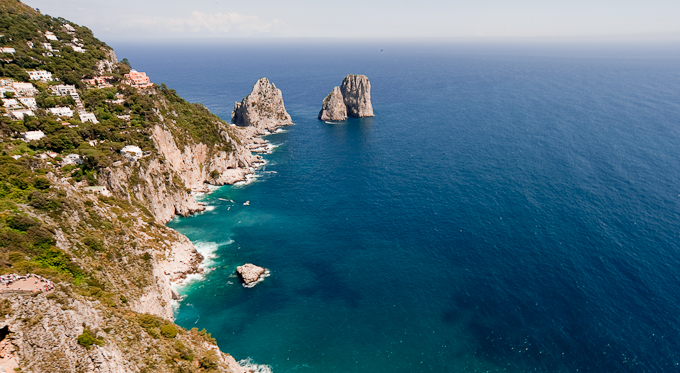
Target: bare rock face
[356, 92]
[262, 108]
[333, 106]
[250, 273]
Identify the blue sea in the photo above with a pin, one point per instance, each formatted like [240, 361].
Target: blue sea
[510, 208]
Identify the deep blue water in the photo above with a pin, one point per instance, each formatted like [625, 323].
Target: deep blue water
[503, 211]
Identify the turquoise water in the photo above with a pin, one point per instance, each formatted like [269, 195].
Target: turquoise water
[503, 211]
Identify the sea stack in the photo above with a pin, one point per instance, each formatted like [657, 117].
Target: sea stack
[262, 108]
[355, 95]
[333, 106]
[250, 273]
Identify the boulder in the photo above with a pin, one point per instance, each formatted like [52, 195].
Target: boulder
[333, 106]
[356, 92]
[262, 108]
[250, 273]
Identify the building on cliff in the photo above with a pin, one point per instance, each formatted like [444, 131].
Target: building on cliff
[137, 79]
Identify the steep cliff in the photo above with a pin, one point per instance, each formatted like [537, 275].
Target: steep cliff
[63, 332]
[356, 92]
[262, 109]
[333, 106]
[111, 256]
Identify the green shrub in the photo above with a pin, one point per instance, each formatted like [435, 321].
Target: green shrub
[21, 223]
[209, 360]
[94, 243]
[169, 331]
[87, 339]
[41, 183]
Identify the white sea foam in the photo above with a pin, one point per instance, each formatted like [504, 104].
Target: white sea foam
[209, 252]
[252, 366]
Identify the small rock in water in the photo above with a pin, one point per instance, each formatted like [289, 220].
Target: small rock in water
[250, 273]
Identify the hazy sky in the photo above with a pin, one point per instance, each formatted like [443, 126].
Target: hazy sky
[572, 19]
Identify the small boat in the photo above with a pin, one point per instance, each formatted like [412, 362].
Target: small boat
[246, 203]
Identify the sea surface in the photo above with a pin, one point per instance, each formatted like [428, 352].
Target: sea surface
[508, 208]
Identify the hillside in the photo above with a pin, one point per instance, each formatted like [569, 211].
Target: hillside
[94, 160]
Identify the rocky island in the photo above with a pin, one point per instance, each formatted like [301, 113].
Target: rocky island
[94, 160]
[352, 98]
[250, 273]
[262, 110]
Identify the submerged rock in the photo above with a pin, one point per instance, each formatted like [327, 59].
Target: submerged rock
[356, 92]
[333, 106]
[250, 273]
[262, 108]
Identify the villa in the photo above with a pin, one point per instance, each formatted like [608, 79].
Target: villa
[137, 79]
[10, 103]
[50, 36]
[72, 159]
[21, 113]
[32, 135]
[131, 152]
[27, 89]
[29, 102]
[68, 28]
[64, 90]
[41, 75]
[7, 50]
[61, 111]
[87, 117]
[98, 189]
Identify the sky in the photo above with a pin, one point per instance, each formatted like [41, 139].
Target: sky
[372, 19]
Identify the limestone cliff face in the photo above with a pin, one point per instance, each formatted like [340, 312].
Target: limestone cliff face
[262, 109]
[44, 330]
[356, 92]
[333, 106]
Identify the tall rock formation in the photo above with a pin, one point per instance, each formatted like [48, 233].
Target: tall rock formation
[352, 99]
[333, 106]
[263, 108]
[356, 90]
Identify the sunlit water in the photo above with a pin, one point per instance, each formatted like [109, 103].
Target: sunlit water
[501, 212]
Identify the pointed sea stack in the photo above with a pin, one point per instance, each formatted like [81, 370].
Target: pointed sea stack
[356, 91]
[333, 107]
[352, 99]
[262, 108]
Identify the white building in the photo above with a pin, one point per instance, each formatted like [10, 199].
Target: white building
[26, 89]
[41, 75]
[10, 103]
[47, 46]
[68, 28]
[61, 111]
[50, 36]
[131, 152]
[8, 50]
[78, 49]
[32, 135]
[21, 113]
[29, 102]
[71, 159]
[64, 90]
[30, 44]
[99, 190]
[87, 117]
